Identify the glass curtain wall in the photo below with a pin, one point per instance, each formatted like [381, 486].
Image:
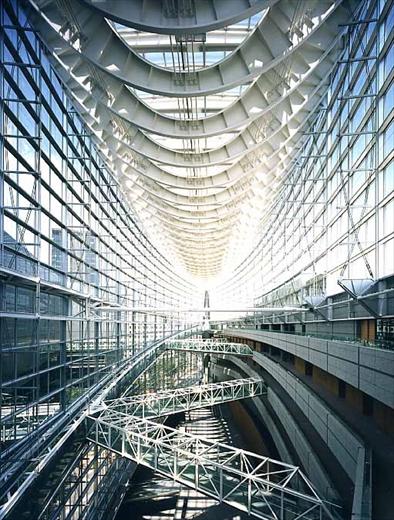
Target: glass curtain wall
[69, 243]
[333, 216]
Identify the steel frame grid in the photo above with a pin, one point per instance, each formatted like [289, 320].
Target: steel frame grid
[312, 171]
[170, 368]
[81, 181]
[262, 487]
[34, 434]
[46, 443]
[75, 147]
[184, 399]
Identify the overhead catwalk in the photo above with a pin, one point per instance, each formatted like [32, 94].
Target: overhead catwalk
[184, 399]
[263, 487]
[210, 347]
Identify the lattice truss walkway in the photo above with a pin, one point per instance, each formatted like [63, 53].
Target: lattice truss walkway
[208, 346]
[263, 487]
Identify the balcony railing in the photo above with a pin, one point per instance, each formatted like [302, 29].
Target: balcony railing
[343, 338]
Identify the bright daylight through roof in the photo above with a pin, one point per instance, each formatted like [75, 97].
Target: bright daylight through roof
[196, 259]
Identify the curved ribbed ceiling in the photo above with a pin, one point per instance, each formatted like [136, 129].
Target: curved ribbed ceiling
[198, 105]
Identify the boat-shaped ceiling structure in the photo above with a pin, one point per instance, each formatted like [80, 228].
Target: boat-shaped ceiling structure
[198, 106]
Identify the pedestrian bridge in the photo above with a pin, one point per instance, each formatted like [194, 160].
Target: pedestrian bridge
[265, 488]
[184, 399]
[209, 346]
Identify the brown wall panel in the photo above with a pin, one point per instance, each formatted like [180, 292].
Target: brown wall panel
[327, 380]
[299, 365]
[384, 416]
[354, 397]
[246, 426]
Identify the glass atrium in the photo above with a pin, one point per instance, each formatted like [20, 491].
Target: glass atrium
[196, 259]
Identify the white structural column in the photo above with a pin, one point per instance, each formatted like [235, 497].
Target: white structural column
[184, 399]
[263, 487]
[209, 347]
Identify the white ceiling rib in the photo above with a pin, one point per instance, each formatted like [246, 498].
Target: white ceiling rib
[201, 195]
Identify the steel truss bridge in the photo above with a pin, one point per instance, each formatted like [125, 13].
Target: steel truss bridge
[265, 488]
[184, 399]
[209, 346]
[199, 346]
[260, 486]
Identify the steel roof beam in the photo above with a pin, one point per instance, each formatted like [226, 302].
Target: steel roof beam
[195, 18]
[261, 51]
[312, 59]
